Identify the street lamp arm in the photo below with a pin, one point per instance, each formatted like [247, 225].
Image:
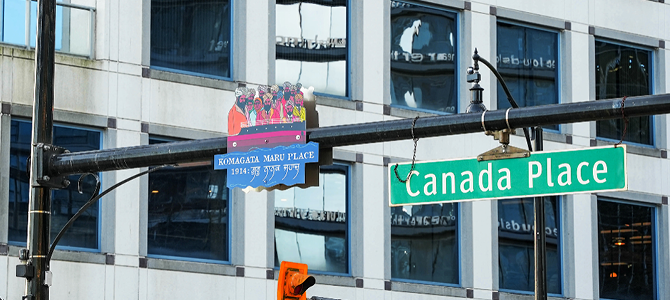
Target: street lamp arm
[513, 103]
[90, 202]
[477, 58]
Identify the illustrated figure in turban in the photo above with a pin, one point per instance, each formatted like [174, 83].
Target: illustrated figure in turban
[236, 115]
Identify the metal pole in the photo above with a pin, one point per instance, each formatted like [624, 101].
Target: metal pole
[540, 235]
[374, 132]
[39, 214]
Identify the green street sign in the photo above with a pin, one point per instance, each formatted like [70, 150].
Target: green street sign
[595, 169]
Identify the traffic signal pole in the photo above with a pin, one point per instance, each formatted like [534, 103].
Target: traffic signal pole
[365, 133]
[39, 207]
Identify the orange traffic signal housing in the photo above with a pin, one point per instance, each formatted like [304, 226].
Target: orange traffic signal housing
[293, 281]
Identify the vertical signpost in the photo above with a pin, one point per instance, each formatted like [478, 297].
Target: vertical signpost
[540, 235]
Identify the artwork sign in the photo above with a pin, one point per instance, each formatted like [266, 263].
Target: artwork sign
[266, 138]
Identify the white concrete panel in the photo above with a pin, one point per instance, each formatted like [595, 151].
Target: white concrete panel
[130, 33]
[5, 69]
[584, 245]
[15, 285]
[337, 292]
[271, 289]
[627, 16]
[331, 116]
[102, 29]
[644, 174]
[127, 202]
[482, 244]
[555, 9]
[23, 81]
[665, 178]
[190, 106]
[113, 29]
[404, 296]
[3, 276]
[182, 285]
[143, 293]
[146, 100]
[255, 288]
[80, 89]
[373, 43]
[481, 39]
[68, 278]
[109, 282]
[126, 282]
[255, 229]
[129, 102]
[572, 10]
[257, 48]
[373, 223]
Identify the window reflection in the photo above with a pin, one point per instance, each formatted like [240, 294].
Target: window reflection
[188, 213]
[626, 255]
[311, 223]
[191, 36]
[623, 71]
[527, 59]
[423, 52]
[312, 44]
[516, 244]
[65, 202]
[424, 243]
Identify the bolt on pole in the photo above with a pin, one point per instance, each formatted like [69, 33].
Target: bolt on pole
[39, 214]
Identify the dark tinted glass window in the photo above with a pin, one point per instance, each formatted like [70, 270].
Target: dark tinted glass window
[65, 202]
[188, 213]
[623, 71]
[423, 55]
[311, 225]
[626, 251]
[191, 36]
[312, 44]
[527, 60]
[515, 244]
[424, 243]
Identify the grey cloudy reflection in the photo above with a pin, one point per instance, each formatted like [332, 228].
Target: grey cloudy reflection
[315, 234]
[308, 21]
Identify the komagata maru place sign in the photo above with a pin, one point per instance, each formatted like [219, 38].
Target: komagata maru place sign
[595, 169]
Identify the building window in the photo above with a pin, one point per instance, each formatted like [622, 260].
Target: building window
[312, 44]
[73, 27]
[626, 250]
[188, 213]
[423, 56]
[527, 60]
[424, 243]
[192, 37]
[311, 225]
[515, 244]
[65, 202]
[623, 71]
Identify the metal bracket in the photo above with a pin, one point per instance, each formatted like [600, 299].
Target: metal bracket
[503, 151]
[45, 153]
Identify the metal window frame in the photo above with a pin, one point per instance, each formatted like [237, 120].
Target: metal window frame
[458, 39]
[654, 233]
[228, 260]
[652, 69]
[231, 47]
[559, 58]
[99, 205]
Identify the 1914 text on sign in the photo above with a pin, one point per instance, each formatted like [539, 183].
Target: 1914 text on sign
[541, 174]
